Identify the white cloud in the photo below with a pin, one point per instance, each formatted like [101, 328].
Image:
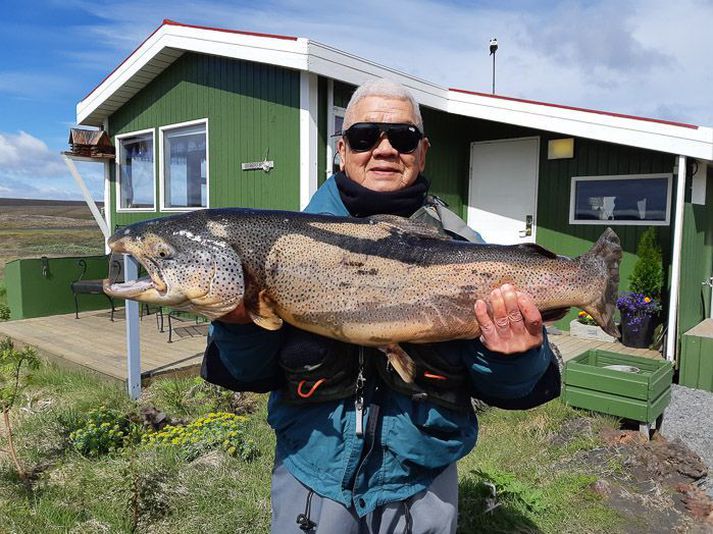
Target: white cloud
[29, 169]
[638, 57]
[25, 155]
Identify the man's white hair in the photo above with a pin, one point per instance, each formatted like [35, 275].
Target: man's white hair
[385, 88]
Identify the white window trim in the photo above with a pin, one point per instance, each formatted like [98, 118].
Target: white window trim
[117, 173]
[334, 111]
[161, 131]
[573, 189]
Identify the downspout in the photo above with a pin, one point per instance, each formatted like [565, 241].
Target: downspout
[672, 337]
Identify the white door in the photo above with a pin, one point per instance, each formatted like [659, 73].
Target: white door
[502, 193]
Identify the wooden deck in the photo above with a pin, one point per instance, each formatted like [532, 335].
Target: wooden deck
[96, 343]
[571, 346]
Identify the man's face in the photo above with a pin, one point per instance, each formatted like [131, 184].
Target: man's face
[383, 168]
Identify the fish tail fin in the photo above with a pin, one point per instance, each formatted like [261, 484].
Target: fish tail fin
[606, 254]
[402, 363]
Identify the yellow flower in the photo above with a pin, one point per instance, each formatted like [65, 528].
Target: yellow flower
[647, 299]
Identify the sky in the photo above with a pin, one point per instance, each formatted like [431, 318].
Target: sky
[651, 58]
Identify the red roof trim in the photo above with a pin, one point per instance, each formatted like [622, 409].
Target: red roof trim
[168, 22]
[611, 114]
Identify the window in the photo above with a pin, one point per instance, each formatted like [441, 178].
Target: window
[333, 131]
[184, 166]
[135, 171]
[636, 199]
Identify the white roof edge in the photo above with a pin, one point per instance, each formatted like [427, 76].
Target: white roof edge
[324, 60]
[650, 134]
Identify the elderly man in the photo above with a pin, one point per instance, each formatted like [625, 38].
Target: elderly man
[358, 449]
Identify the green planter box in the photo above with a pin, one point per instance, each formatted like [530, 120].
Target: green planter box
[640, 396]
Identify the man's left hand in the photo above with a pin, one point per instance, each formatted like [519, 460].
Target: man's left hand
[511, 324]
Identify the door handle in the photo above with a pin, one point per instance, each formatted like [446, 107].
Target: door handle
[528, 227]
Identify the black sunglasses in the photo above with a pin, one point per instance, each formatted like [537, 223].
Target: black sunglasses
[363, 136]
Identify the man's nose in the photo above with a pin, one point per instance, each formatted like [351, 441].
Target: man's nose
[383, 148]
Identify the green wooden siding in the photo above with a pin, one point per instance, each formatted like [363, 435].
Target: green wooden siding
[342, 93]
[696, 259]
[594, 158]
[252, 111]
[447, 160]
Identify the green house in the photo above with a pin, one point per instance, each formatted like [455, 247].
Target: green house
[205, 117]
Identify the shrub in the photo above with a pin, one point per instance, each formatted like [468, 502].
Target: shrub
[4, 312]
[104, 431]
[647, 276]
[215, 430]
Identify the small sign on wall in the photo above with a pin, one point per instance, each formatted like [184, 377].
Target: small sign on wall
[265, 165]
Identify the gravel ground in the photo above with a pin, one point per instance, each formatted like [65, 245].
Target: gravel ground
[690, 417]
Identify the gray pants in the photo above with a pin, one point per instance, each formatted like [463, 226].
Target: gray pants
[432, 511]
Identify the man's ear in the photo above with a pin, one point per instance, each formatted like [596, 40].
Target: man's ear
[342, 151]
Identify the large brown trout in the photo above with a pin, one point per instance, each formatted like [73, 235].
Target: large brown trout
[375, 281]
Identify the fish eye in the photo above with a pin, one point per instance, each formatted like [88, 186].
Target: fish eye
[163, 251]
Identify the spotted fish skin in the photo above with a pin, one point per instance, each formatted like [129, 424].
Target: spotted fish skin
[373, 281]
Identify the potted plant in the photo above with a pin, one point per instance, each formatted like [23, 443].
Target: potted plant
[639, 316]
[640, 307]
[586, 327]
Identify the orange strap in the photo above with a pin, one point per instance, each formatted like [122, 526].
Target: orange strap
[434, 376]
[312, 389]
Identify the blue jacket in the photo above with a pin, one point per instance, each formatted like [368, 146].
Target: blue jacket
[412, 441]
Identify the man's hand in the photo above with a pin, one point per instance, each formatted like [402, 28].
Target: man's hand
[511, 324]
[238, 316]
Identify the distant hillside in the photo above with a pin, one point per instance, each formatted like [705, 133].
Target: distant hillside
[40, 202]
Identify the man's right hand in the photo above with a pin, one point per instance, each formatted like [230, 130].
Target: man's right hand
[238, 316]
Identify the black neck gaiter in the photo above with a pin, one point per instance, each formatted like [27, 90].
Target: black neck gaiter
[363, 202]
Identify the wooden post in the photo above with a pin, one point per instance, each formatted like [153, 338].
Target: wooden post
[133, 338]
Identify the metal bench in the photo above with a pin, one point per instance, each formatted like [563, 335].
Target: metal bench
[193, 325]
[93, 287]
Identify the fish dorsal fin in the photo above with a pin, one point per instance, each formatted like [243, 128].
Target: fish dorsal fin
[408, 226]
[537, 249]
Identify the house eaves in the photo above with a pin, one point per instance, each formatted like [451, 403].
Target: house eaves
[170, 40]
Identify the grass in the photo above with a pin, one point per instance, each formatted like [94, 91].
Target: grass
[520, 453]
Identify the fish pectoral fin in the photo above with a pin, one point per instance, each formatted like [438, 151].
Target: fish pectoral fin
[265, 315]
[400, 361]
[554, 315]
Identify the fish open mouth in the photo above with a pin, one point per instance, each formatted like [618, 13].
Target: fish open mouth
[129, 289]
[133, 288]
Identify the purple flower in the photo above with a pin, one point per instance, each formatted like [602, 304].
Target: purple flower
[634, 307]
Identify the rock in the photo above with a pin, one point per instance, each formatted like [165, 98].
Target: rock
[600, 487]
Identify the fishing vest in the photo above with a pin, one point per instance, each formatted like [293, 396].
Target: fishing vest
[320, 369]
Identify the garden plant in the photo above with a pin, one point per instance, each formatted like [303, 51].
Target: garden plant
[14, 376]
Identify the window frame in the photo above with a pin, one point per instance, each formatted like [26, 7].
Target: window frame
[161, 177]
[332, 139]
[117, 171]
[573, 190]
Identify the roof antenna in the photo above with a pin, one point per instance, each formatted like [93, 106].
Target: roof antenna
[493, 49]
